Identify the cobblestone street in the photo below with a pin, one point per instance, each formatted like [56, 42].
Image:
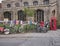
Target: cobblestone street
[51, 38]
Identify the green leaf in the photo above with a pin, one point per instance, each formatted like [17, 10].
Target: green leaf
[29, 12]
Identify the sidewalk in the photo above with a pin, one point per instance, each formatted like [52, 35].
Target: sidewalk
[33, 35]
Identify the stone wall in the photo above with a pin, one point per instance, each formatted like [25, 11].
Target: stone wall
[13, 9]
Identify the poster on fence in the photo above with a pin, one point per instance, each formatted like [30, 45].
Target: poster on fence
[21, 22]
[17, 22]
[11, 23]
[6, 20]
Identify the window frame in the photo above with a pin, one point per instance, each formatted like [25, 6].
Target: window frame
[46, 2]
[26, 4]
[17, 4]
[35, 3]
[8, 5]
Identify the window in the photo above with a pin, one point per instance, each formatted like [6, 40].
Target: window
[20, 0]
[46, 1]
[26, 4]
[21, 15]
[53, 12]
[39, 16]
[35, 3]
[8, 5]
[7, 14]
[17, 4]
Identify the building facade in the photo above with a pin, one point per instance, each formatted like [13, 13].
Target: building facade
[44, 9]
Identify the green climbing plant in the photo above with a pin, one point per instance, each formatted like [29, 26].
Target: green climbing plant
[30, 12]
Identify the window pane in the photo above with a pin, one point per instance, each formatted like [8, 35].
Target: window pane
[8, 5]
[20, 0]
[26, 4]
[17, 4]
[46, 1]
[35, 3]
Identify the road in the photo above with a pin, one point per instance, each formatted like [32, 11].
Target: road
[34, 39]
[25, 42]
[43, 41]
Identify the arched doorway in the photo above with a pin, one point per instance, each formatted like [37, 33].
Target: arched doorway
[21, 15]
[39, 15]
[7, 15]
